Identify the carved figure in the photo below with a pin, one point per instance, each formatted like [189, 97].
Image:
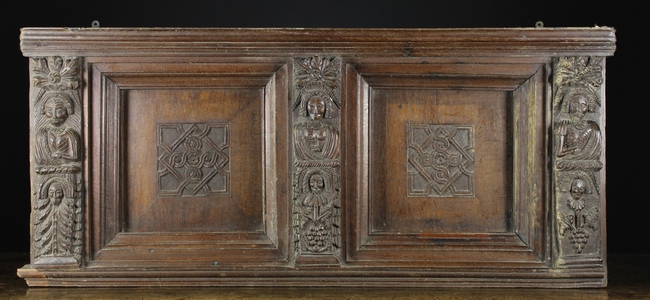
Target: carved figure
[578, 188]
[317, 212]
[316, 186]
[320, 188]
[316, 201]
[576, 86]
[57, 217]
[580, 139]
[54, 219]
[578, 222]
[55, 142]
[315, 139]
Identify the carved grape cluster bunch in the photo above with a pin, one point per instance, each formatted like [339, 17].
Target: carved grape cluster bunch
[317, 236]
[579, 239]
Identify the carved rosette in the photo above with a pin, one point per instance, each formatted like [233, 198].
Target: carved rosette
[316, 171]
[578, 148]
[57, 204]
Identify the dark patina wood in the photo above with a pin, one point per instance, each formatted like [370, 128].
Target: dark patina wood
[318, 157]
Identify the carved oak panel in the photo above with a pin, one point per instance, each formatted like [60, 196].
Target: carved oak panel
[190, 173]
[440, 160]
[209, 173]
[433, 153]
[193, 159]
[318, 157]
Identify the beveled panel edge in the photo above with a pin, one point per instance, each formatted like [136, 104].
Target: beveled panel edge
[385, 42]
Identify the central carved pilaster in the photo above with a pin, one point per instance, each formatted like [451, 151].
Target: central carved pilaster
[316, 123]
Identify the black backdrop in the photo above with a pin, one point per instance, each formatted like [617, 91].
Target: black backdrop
[627, 128]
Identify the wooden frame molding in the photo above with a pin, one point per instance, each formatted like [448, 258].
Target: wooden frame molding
[318, 157]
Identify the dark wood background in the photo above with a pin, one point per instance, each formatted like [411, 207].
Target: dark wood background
[628, 127]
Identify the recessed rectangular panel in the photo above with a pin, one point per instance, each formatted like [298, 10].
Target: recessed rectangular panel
[194, 160]
[439, 161]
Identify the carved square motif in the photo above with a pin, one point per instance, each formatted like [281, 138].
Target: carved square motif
[440, 160]
[193, 159]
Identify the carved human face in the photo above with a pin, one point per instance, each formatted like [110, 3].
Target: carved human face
[578, 188]
[316, 108]
[55, 111]
[316, 183]
[578, 106]
[55, 193]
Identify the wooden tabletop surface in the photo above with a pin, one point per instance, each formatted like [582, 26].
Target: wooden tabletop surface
[629, 278]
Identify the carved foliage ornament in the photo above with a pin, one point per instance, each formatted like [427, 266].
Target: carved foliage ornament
[578, 149]
[316, 193]
[57, 205]
[318, 75]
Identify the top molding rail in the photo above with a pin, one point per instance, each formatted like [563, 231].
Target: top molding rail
[513, 42]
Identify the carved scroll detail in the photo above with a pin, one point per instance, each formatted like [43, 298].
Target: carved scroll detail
[316, 192]
[57, 155]
[577, 150]
[193, 159]
[440, 160]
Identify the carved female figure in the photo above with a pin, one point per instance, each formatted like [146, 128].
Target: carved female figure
[315, 139]
[580, 139]
[56, 142]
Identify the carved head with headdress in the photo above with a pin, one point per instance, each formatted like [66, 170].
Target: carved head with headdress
[316, 181]
[55, 189]
[578, 184]
[315, 105]
[56, 106]
[578, 102]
